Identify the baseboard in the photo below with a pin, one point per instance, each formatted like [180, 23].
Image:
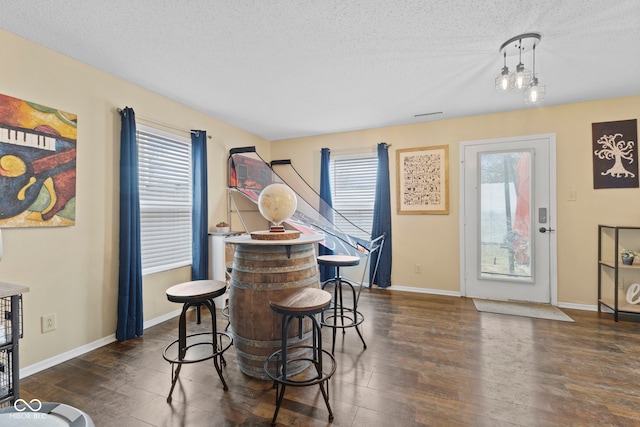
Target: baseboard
[79, 351]
[160, 319]
[584, 307]
[424, 291]
[63, 357]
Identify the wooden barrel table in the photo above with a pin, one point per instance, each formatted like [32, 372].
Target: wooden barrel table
[265, 270]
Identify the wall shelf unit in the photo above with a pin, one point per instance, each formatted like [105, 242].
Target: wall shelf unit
[611, 240]
[10, 334]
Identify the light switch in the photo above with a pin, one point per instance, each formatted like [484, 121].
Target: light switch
[572, 196]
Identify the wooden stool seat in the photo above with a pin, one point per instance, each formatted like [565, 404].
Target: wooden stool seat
[303, 303]
[193, 348]
[196, 291]
[338, 260]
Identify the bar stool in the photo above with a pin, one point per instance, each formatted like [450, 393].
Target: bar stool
[306, 302]
[339, 316]
[201, 346]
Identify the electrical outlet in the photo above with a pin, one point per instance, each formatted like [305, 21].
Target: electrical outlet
[417, 269]
[48, 323]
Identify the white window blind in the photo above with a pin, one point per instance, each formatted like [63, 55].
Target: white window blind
[353, 190]
[164, 162]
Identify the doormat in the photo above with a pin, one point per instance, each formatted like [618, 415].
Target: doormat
[540, 311]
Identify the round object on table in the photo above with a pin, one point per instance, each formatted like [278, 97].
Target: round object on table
[277, 202]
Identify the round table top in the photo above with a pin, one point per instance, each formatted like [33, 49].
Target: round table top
[196, 289]
[338, 260]
[303, 239]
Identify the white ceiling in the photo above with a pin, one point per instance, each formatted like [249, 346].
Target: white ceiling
[289, 68]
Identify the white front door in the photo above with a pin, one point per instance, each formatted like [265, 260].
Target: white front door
[508, 244]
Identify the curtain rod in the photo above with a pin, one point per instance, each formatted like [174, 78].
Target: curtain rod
[166, 125]
[373, 148]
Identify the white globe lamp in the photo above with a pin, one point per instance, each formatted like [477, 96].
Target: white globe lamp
[277, 203]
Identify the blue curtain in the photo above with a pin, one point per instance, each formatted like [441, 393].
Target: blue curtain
[130, 319]
[200, 213]
[382, 222]
[326, 272]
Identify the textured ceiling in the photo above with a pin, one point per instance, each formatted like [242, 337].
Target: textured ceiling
[288, 68]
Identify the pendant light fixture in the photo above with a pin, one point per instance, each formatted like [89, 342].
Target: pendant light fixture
[535, 92]
[522, 79]
[504, 82]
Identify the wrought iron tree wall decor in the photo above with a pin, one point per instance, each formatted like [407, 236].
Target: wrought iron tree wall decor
[615, 154]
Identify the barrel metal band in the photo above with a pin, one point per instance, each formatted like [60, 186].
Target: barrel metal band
[304, 283]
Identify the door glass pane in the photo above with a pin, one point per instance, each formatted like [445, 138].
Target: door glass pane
[505, 216]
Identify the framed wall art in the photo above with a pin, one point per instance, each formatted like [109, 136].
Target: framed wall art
[37, 165]
[615, 154]
[423, 180]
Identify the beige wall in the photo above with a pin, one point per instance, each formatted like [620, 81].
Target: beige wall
[73, 271]
[433, 240]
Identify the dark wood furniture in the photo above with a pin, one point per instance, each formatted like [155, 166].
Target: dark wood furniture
[201, 346]
[11, 332]
[341, 315]
[609, 259]
[295, 368]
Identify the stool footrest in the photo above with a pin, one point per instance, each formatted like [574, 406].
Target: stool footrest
[200, 350]
[328, 369]
[349, 319]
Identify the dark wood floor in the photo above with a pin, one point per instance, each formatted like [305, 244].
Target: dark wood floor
[431, 361]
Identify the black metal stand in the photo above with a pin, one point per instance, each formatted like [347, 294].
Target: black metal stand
[338, 316]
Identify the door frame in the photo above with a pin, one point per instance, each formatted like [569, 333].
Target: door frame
[552, 215]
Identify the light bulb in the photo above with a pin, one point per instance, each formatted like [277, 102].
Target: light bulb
[522, 77]
[535, 92]
[504, 82]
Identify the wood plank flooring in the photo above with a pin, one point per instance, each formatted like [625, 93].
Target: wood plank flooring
[431, 361]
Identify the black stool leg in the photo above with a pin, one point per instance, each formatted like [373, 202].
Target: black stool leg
[317, 352]
[282, 368]
[279, 397]
[339, 309]
[339, 285]
[182, 348]
[355, 315]
[336, 292]
[212, 309]
[226, 328]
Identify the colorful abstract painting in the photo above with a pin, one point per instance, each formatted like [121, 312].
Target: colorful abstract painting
[37, 165]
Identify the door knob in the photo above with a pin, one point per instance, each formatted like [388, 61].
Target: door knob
[544, 230]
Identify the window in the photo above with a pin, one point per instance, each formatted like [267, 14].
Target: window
[353, 190]
[164, 162]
